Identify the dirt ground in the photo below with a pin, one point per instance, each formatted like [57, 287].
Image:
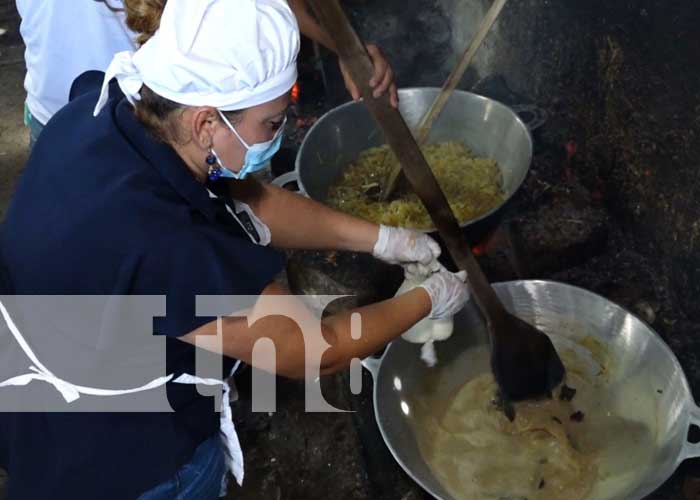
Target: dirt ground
[13, 135]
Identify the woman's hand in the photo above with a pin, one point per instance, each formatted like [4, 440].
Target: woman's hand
[447, 291]
[382, 80]
[415, 250]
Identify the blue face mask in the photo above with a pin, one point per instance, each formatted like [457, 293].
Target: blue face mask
[256, 156]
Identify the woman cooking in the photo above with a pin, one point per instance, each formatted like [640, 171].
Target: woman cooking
[142, 188]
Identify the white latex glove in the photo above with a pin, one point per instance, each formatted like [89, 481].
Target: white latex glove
[396, 245]
[447, 291]
[428, 331]
[415, 271]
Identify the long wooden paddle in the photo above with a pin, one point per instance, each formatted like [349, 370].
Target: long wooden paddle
[523, 359]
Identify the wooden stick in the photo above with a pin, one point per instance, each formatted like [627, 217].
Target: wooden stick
[451, 83]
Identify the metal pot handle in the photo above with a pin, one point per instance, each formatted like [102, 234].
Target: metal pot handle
[532, 116]
[285, 179]
[691, 450]
[372, 365]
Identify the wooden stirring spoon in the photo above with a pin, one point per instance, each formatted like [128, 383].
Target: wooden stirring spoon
[523, 359]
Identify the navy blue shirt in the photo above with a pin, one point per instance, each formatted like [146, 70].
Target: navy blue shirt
[102, 208]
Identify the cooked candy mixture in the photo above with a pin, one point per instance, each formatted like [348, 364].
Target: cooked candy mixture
[477, 453]
[472, 186]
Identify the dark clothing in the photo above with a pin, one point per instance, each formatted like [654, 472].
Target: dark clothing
[102, 208]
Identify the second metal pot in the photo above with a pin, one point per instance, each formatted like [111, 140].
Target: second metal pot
[487, 127]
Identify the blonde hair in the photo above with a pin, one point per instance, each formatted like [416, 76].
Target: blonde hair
[158, 114]
[143, 17]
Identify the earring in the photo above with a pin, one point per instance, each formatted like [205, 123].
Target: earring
[213, 172]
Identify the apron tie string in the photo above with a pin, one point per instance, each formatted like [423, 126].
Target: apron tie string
[71, 392]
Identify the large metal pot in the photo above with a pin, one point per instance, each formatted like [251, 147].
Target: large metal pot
[488, 127]
[645, 370]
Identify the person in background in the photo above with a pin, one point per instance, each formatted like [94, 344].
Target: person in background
[65, 39]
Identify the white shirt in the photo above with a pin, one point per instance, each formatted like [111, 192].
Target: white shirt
[63, 39]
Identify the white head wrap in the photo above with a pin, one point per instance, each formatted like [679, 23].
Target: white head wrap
[228, 54]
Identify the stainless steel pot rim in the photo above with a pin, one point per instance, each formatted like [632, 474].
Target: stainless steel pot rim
[295, 177]
[583, 291]
[690, 408]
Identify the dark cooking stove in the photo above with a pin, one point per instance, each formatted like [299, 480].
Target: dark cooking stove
[610, 204]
